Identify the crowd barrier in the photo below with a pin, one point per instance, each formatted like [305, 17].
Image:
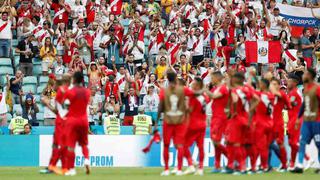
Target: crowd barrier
[105, 151]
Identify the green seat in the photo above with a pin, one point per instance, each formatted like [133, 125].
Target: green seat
[37, 70]
[5, 62]
[30, 80]
[125, 22]
[36, 61]
[9, 117]
[16, 60]
[41, 107]
[40, 89]
[43, 79]
[6, 70]
[14, 42]
[16, 107]
[29, 88]
[40, 116]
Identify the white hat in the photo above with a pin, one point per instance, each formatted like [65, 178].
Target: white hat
[141, 108]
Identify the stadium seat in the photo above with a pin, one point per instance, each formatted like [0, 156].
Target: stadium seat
[30, 80]
[43, 80]
[86, 79]
[163, 22]
[5, 62]
[6, 70]
[16, 107]
[16, 61]
[29, 88]
[9, 117]
[40, 116]
[36, 61]
[37, 70]
[40, 106]
[146, 33]
[125, 22]
[38, 98]
[14, 42]
[40, 89]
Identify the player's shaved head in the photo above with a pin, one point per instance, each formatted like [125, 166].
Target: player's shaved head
[216, 77]
[238, 78]
[276, 80]
[172, 77]
[78, 77]
[66, 78]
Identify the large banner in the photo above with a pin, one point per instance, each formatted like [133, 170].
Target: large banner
[126, 151]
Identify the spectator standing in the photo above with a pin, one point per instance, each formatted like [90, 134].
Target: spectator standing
[50, 92]
[78, 11]
[113, 47]
[94, 74]
[307, 47]
[30, 109]
[26, 51]
[16, 86]
[131, 101]
[142, 124]
[17, 124]
[47, 53]
[61, 11]
[112, 88]
[5, 34]
[95, 107]
[58, 68]
[3, 105]
[85, 43]
[151, 103]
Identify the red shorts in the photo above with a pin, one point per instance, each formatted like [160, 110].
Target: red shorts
[76, 132]
[264, 138]
[58, 134]
[235, 131]
[249, 135]
[217, 129]
[127, 121]
[176, 132]
[195, 136]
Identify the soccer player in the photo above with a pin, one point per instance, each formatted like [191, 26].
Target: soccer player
[280, 102]
[77, 126]
[242, 101]
[142, 124]
[264, 120]
[294, 123]
[172, 104]
[311, 118]
[220, 94]
[197, 126]
[58, 149]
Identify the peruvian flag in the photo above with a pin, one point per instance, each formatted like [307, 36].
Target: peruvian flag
[116, 6]
[263, 51]
[173, 50]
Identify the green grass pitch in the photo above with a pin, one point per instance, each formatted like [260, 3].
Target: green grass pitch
[143, 174]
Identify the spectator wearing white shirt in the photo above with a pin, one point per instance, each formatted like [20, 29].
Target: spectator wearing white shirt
[3, 105]
[197, 47]
[151, 103]
[94, 107]
[5, 34]
[136, 48]
[78, 11]
[276, 21]
[58, 68]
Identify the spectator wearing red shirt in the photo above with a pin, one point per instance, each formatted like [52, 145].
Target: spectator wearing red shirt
[112, 88]
[238, 66]
[224, 51]
[61, 12]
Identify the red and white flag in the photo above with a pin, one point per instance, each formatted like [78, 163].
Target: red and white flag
[116, 6]
[173, 50]
[263, 51]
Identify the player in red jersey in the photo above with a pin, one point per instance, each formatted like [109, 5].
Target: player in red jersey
[77, 126]
[219, 94]
[264, 120]
[281, 101]
[294, 123]
[197, 126]
[57, 146]
[241, 103]
[172, 104]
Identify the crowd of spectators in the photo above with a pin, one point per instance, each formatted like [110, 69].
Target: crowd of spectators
[125, 54]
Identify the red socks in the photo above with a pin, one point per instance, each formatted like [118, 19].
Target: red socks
[85, 151]
[180, 157]
[70, 158]
[219, 150]
[55, 156]
[283, 156]
[187, 154]
[166, 157]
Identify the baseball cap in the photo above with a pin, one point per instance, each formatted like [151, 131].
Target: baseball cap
[141, 108]
[29, 97]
